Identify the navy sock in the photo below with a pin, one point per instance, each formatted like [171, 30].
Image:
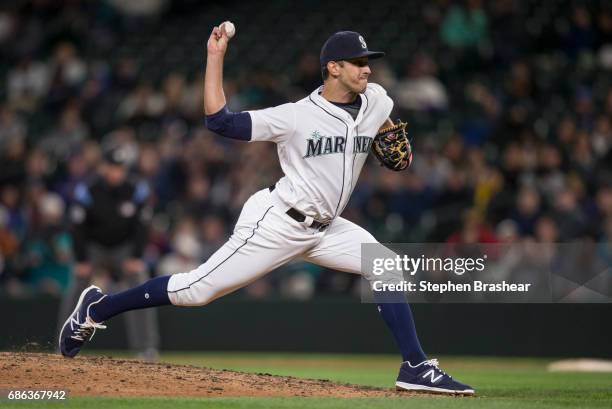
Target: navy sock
[152, 293]
[398, 318]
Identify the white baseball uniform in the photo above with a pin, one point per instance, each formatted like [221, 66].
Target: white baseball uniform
[322, 150]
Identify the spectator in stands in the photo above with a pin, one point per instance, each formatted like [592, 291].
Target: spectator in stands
[12, 127]
[67, 137]
[27, 82]
[12, 161]
[9, 246]
[48, 250]
[212, 232]
[67, 72]
[308, 73]
[582, 35]
[186, 252]
[421, 90]
[527, 211]
[465, 27]
[569, 218]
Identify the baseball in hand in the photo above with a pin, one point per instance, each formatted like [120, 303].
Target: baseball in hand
[229, 28]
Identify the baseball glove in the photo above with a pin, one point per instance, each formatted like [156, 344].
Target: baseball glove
[392, 147]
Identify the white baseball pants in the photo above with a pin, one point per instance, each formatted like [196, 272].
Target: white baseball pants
[265, 238]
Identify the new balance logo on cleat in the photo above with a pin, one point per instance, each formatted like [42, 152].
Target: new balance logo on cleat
[432, 375]
[428, 377]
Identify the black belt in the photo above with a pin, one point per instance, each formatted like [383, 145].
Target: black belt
[299, 217]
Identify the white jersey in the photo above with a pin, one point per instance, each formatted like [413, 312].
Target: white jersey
[321, 149]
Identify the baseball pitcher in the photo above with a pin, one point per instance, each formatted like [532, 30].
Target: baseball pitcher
[323, 141]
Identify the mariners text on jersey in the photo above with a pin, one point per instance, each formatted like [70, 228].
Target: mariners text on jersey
[323, 145]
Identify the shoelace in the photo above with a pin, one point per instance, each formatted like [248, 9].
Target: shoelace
[86, 330]
[434, 363]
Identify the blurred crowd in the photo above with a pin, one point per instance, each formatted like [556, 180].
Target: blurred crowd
[509, 106]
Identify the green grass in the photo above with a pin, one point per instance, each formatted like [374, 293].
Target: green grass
[500, 383]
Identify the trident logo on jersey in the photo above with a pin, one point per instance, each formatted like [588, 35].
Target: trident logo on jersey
[319, 144]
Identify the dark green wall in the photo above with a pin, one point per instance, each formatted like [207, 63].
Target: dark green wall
[342, 325]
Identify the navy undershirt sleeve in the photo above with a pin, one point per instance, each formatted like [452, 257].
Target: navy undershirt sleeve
[234, 125]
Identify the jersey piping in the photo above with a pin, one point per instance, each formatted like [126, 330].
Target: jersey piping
[343, 155]
[365, 108]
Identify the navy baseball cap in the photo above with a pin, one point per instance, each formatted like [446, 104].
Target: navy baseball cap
[346, 45]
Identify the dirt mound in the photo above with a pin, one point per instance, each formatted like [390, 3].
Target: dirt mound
[101, 376]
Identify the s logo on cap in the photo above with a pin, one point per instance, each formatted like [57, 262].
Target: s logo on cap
[363, 43]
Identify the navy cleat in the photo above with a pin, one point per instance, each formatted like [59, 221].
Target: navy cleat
[427, 377]
[79, 327]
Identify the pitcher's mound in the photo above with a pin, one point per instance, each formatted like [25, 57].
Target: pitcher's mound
[101, 376]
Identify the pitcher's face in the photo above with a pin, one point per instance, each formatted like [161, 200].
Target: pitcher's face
[354, 74]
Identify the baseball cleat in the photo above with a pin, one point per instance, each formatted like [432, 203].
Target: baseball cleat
[79, 327]
[427, 377]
